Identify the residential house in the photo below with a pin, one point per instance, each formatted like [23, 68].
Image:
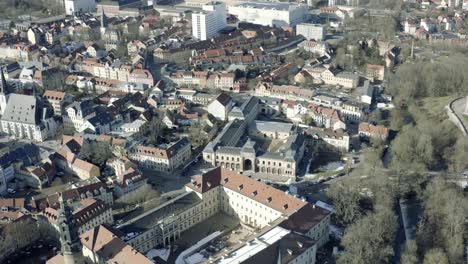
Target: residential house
[129, 178]
[91, 188]
[135, 47]
[68, 161]
[333, 76]
[367, 131]
[87, 214]
[57, 100]
[353, 111]
[166, 158]
[326, 117]
[101, 123]
[283, 91]
[368, 94]
[375, 72]
[35, 35]
[339, 139]
[77, 113]
[221, 106]
[36, 176]
[316, 47]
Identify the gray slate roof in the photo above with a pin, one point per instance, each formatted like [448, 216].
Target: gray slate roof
[24, 109]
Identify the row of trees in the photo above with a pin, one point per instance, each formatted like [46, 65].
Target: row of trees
[426, 142]
[366, 203]
[17, 235]
[97, 152]
[442, 227]
[435, 78]
[366, 208]
[155, 131]
[13, 8]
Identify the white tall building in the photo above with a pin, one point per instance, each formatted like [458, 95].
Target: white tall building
[270, 14]
[74, 6]
[207, 23]
[311, 31]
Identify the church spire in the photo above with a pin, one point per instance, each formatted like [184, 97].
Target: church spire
[103, 24]
[3, 83]
[103, 19]
[68, 233]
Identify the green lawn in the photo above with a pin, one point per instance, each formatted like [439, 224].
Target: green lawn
[435, 106]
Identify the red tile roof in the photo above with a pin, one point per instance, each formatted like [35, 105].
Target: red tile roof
[246, 186]
[105, 242]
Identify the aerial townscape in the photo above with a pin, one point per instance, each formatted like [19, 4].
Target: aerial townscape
[234, 131]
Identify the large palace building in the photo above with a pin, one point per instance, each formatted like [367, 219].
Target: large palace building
[276, 214]
[242, 146]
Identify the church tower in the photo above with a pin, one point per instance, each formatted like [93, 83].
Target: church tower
[4, 92]
[103, 24]
[69, 239]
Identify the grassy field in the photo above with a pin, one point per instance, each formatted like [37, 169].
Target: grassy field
[435, 106]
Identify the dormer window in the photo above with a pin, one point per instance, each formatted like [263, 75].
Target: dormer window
[241, 187]
[254, 193]
[226, 180]
[269, 199]
[285, 206]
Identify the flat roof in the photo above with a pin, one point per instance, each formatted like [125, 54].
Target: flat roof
[254, 246]
[149, 219]
[271, 126]
[268, 6]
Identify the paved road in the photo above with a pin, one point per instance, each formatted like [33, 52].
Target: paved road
[458, 107]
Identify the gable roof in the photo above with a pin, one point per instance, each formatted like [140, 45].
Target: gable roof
[224, 99]
[54, 95]
[105, 242]
[24, 109]
[249, 187]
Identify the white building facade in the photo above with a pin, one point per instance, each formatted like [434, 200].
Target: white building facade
[270, 14]
[74, 6]
[311, 31]
[207, 23]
